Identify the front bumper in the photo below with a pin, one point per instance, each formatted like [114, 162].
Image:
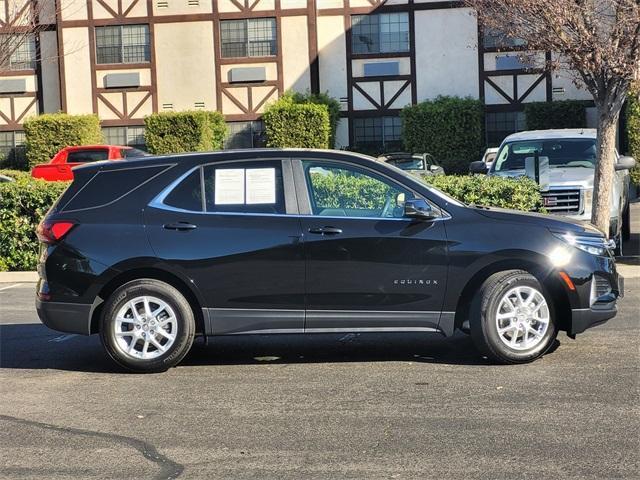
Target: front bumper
[583, 318]
[65, 317]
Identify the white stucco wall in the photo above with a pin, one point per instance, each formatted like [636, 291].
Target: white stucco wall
[77, 66]
[332, 55]
[446, 53]
[185, 65]
[295, 54]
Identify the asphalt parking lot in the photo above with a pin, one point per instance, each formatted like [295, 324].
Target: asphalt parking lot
[402, 406]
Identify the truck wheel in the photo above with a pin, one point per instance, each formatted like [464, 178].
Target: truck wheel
[512, 318]
[626, 222]
[147, 326]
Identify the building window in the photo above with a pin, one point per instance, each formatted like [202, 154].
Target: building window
[501, 124]
[378, 134]
[496, 39]
[20, 52]
[130, 136]
[380, 33]
[12, 151]
[122, 44]
[254, 37]
[245, 135]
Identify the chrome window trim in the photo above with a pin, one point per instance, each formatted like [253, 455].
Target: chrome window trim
[158, 201]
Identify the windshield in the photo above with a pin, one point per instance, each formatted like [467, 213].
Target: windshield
[412, 163]
[562, 153]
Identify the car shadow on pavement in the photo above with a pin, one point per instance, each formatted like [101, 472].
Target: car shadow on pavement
[34, 346]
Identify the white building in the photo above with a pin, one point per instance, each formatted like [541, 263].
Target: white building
[124, 59]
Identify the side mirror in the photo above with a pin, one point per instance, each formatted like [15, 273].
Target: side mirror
[478, 167]
[625, 163]
[419, 209]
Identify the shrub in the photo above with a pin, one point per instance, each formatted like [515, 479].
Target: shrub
[449, 128]
[633, 131]
[341, 190]
[294, 125]
[516, 193]
[178, 132]
[561, 114]
[333, 107]
[23, 203]
[49, 133]
[15, 174]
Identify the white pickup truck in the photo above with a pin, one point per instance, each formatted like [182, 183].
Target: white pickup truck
[572, 158]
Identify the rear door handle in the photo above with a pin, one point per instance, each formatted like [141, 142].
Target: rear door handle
[183, 226]
[325, 230]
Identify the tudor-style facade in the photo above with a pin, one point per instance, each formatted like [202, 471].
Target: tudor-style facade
[125, 59]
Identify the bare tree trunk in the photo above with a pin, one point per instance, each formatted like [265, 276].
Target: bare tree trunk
[605, 154]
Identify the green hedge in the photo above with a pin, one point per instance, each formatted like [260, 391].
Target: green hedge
[23, 203]
[47, 134]
[561, 114]
[449, 128]
[294, 125]
[190, 131]
[347, 191]
[516, 193]
[333, 107]
[633, 131]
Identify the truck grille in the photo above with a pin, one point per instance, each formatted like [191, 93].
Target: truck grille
[562, 201]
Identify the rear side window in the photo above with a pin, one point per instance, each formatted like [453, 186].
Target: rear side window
[188, 194]
[111, 185]
[84, 156]
[244, 187]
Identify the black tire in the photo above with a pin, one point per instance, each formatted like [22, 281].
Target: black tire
[626, 222]
[484, 309]
[185, 324]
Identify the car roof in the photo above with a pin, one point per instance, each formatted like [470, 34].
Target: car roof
[553, 134]
[255, 154]
[94, 147]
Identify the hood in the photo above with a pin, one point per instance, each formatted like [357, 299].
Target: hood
[560, 177]
[538, 219]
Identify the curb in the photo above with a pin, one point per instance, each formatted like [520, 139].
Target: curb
[18, 277]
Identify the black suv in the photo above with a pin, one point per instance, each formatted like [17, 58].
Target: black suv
[151, 252]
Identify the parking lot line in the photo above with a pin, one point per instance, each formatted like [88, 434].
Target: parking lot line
[10, 286]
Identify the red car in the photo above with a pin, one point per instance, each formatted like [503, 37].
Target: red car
[59, 168]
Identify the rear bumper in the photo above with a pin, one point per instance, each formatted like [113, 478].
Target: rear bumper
[65, 317]
[584, 318]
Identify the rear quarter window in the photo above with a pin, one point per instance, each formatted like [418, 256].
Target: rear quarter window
[111, 185]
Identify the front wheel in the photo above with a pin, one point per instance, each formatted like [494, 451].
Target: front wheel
[147, 326]
[512, 318]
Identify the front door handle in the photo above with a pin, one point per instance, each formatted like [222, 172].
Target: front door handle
[182, 226]
[325, 230]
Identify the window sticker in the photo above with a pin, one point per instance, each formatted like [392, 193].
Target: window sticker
[229, 186]
[261, 186]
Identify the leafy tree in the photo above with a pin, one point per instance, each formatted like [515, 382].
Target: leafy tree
[597, 40]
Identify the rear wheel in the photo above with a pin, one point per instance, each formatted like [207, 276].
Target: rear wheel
[512, 318]
[147, 326]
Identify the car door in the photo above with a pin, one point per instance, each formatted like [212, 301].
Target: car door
[368, 267]
[231, 228]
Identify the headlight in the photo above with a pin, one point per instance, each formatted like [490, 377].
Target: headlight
[593, 245]
[587, 198]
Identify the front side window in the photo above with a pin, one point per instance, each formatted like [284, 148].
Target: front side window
[380, 33]
[122, 44]
[20, 52]
[348, 191]
[377, 134]
[253, 37]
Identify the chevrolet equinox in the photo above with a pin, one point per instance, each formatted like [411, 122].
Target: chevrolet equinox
[151, 252]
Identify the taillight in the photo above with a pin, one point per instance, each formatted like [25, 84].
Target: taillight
[51, 232]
